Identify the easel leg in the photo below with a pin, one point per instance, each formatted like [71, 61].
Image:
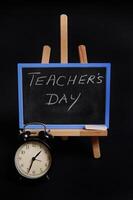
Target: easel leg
[64, 44]
[94, 140]
[96, 147]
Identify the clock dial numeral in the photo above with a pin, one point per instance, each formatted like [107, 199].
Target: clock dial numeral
[33, 145]
[48, 157]
[33, 172]
[22, 165]
[19, 158]
[41, 170]
[22, 152]
[46, 164]
[27, 146]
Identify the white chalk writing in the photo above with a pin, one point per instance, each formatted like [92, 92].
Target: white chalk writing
[67, 97]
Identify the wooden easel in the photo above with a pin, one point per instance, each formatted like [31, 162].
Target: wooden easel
[94, 134]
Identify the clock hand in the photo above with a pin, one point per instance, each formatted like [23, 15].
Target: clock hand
[31, 164]
[37, 155]
[34, 158]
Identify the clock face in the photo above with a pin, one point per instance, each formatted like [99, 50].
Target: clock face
[33, 159]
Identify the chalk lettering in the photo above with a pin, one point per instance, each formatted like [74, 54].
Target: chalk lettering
[82, 79]
[72, 80]
[40, 80]
[56, 99]
[75, 100]
[91, 79]
[52, 78]
[63, 80]
[33, 76]
[64, 98]
[100, 79]
[53, 99]
[58, 79]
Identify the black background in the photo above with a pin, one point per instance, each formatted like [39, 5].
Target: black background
[107, 31]
[89, 109]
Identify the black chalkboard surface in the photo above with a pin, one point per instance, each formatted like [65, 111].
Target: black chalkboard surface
[64, 95]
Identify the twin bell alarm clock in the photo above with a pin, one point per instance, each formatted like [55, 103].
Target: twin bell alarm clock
[33, 158]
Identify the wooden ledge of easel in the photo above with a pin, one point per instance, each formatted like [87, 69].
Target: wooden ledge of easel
[74, 132]
[78, 132]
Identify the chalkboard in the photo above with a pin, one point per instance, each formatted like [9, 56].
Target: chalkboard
[64, 95]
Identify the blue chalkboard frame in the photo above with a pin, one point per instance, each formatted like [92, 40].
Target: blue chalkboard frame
[59, 65]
